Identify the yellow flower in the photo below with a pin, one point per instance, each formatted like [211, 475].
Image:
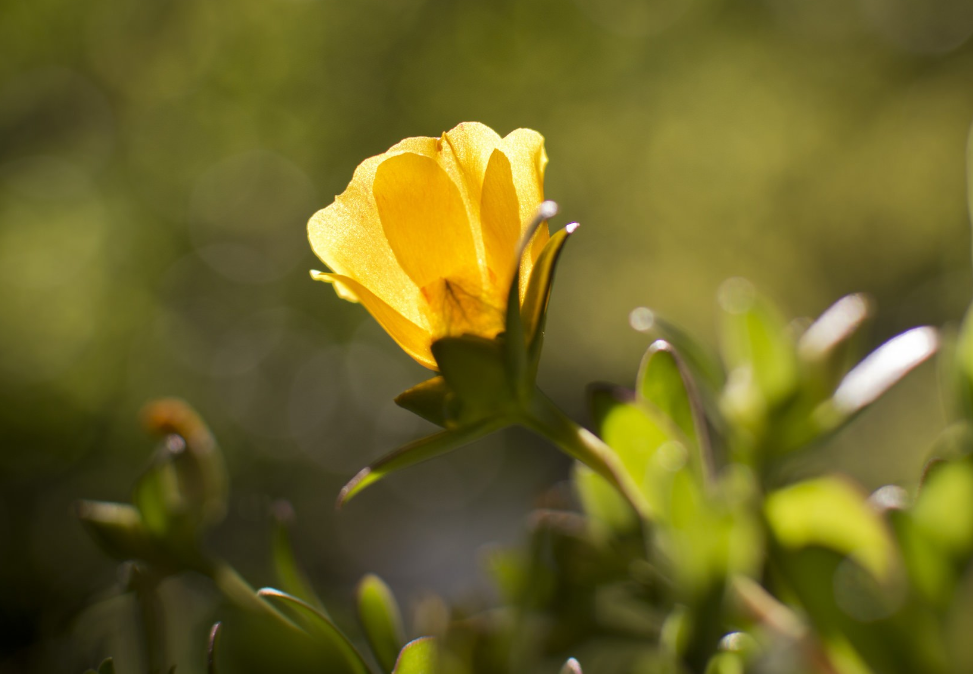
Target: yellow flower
[426, 235]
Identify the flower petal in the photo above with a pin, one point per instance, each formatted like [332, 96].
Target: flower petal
[500, 218]
[424, 218]
[413, 339]
[347, 236]
[525, 150]
[471, 145]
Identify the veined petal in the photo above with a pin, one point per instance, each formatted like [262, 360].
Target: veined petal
[348, 237]
[424, 218]
[525, 150]
[414, 339]
[471, 144]
[500, 218]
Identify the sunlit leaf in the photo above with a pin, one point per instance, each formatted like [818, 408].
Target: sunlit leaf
[418, 657]
[664, 383]
[754, 335]
[318, 625]
[832, 513]
[826, 347]
[883, 368]
[643, 444]
[944, 509]
[416, 452]
[381, 619]
[702, 361]
[601, 501]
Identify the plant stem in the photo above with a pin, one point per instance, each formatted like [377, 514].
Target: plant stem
[544, 418]
[152, 616]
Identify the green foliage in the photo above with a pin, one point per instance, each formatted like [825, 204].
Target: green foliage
[696, 549]
[381, 619]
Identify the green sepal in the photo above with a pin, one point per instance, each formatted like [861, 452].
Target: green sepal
[516, 337]
[415, 452]
[428, 400]
[214, 636]
[118, 530]
[474, 369]
[418, 657]
[318, 625]
[381, 620]
[534, 309]
[664, 382]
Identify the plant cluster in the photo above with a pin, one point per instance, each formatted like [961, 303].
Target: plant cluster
[688, 542]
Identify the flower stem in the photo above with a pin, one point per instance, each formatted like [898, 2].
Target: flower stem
[145, 585]
[544, 418]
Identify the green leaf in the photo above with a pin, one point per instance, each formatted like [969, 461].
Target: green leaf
[664, 382]
[427, 400]
[289, 574]
[959, 625]
[831, 512]
[878, 372]
[381, 619]
[534, 308]
[964, 364]
[475, 370]
[317, 624]
[827, 347]
[754, 337]
[416, 452]
[636, 437]
[117, 529]
[418, 657]
[107, 666]
[704, 363]
[159, 501]
[195, 456]
[944, 509]
[601, 501]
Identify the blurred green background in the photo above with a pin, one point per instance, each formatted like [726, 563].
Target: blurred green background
[159, 160]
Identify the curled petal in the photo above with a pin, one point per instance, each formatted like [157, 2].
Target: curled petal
[528, 160]
[414, 339]
[347, 236]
